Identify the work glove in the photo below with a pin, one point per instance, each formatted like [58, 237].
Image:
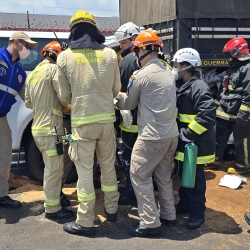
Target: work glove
[127, 118]
[183, 138]
[242, 122]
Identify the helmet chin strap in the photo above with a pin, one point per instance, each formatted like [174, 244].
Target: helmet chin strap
[143, 56]
[182, 69]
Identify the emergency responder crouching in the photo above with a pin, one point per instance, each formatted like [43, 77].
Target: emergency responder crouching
[12, 79]
[125, 35]
[233, 112]
[152, 89]
[89, 79]
[196, 121]
[41, 92]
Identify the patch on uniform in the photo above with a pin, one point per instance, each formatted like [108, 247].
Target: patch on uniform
[4, 64]
[20, 78]
[2, 71]
[130, 81]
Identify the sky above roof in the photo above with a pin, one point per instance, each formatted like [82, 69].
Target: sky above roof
[102, 8]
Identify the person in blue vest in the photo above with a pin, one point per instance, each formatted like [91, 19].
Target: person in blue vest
[12, 79]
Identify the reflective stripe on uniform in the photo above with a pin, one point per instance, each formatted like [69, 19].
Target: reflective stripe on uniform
[230, 87]
[108, 189]
[86, 197]
[51, 152]
[216, 102]
[57, 112]
[92, 118]
[34, 77]
[40, 130]
[244, 108]
[52, 203]
[222, 114]
[197, 128]
[186, 118]
[200, 159]
[8, 89]
[132, 129]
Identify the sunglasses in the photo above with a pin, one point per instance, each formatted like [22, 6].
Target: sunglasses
[25, 45]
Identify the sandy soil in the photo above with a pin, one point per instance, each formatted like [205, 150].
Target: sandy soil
[225, 207]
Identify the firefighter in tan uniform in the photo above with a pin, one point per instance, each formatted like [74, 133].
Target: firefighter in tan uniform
[41, 92]
[152, 89]
[89, 79]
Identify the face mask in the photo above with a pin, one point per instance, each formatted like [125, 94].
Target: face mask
[24, 53]
[177, 73]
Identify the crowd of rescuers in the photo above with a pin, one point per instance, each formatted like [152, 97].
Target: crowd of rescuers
[142, 95]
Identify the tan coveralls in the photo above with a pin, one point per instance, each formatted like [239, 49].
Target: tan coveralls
[152, 89]
[41, 95]
[89, 79]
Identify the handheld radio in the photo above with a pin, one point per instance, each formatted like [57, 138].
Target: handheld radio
[59, 145]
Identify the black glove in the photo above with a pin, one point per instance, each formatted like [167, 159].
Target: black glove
[241, 122]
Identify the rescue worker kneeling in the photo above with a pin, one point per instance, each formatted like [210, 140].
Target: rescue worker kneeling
[89, 80]
[41, 95]
[152, 89]
[196, 121]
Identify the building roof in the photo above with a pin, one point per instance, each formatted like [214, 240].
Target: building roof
[38, 22]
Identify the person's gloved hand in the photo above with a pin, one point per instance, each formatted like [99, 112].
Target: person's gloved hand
[242, 122]
[183, 138]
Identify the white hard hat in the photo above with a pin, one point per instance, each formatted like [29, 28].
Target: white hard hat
[127, 30]
[187, 55]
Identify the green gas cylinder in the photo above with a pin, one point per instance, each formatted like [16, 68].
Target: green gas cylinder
[189, 165]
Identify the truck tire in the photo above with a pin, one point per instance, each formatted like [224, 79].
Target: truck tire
[35, 164]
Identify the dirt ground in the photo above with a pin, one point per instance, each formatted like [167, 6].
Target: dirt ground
[225, 207]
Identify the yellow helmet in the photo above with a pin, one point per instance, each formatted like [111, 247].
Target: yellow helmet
[82, 16]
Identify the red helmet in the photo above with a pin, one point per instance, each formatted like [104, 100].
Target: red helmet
[236, 47]
[54, 47]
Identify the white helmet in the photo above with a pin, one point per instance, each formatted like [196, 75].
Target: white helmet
[187, 55]
[127, 30]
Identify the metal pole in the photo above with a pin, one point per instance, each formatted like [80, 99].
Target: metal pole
[28, 20]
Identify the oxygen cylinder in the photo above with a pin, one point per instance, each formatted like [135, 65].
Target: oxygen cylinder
[189, 165]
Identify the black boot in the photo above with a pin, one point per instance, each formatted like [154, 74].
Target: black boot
[6, 201]
[168, 222]
[111, 217]
[63, 200]
[194, 223]
[61, 214]
[75, 228]
[139, 231]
